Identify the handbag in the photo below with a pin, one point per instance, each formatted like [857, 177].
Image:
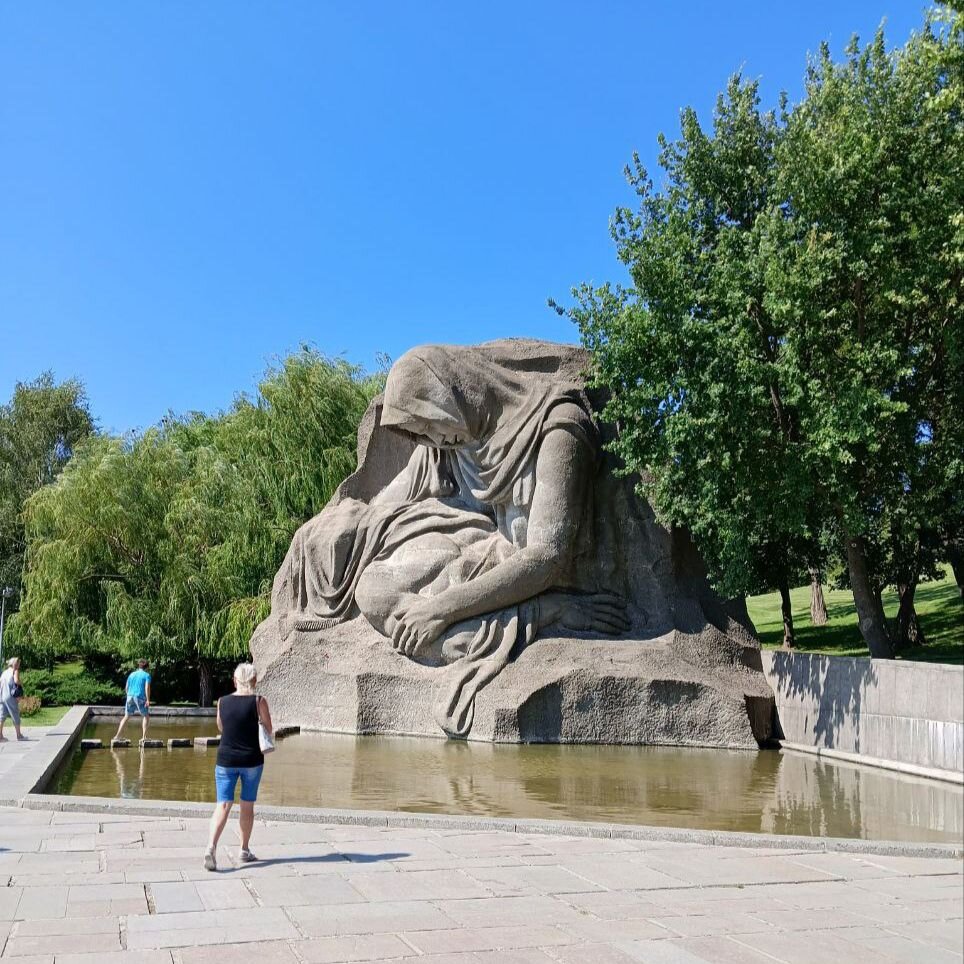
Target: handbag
[17, 691]
[265, 740]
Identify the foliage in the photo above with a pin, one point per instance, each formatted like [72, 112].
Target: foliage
[164, 545]
[691, 356]
[787, 368]
[29, 705]
[54, 689]
[39, 428]
[99, 679]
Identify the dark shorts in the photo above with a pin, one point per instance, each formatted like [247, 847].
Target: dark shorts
[226, 779]
[137, 704]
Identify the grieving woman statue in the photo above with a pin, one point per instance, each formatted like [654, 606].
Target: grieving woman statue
[489, 540]
[482, 539]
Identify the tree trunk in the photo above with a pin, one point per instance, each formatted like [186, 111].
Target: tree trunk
[206, 694]
[915, 632]
[908, 630]
[870, 613]
[818, 608]
[788, 641]
[956, 559]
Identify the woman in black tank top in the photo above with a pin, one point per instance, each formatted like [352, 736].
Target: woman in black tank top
[239, 758]
[238, 716]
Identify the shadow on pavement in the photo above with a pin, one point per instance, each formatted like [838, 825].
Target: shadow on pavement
[322, 858]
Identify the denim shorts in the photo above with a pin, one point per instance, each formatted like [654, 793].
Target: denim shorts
[137, 704]
[226, 779]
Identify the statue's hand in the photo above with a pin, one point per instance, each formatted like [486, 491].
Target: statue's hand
[600, 612]
[417, 624]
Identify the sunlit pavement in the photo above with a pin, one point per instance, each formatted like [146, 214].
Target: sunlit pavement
[88, 887]
[13, 751]
[108, 887]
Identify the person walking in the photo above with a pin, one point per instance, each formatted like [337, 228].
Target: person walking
[10, 692]
[240, 757]
[138, 699]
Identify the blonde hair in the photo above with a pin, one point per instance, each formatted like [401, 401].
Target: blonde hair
[246, 676]
[13, 660]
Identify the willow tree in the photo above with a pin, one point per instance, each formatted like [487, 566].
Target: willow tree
[164, 545]
[788, 361]
[96, 543]
[259, 473]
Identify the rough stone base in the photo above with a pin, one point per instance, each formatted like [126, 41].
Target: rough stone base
[678, 689]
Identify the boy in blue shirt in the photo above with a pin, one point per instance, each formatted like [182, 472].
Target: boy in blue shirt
[138, 698]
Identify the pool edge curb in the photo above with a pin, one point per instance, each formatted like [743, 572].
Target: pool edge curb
[895, 766]
[562, 828]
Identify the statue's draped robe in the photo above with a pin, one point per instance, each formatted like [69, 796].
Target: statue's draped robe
[476, 495]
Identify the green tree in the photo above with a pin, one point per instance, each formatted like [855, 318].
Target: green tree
[96, 550]
[39, 429]
[258, 473]
[165, 544]
[787, 363]
[691, 356]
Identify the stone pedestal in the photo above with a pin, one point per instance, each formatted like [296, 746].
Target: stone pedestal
[678, 689]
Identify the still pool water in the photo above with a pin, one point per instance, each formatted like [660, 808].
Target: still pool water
[770, 791]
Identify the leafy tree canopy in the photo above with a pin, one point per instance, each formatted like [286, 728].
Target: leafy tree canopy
[39, 428]
[165, 544]
[786, 370]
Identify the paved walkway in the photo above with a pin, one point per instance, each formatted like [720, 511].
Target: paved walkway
[105, 888]
[13, 752]
[99, 889]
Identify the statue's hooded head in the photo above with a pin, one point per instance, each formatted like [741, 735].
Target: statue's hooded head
[423, 399]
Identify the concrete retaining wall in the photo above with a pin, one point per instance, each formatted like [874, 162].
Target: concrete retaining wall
[891, 712]
[165, 711]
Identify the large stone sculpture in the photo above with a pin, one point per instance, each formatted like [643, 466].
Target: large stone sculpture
[486, 574]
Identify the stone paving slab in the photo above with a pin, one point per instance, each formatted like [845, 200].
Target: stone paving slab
[742, 844]
[28, 764]
[109, 888]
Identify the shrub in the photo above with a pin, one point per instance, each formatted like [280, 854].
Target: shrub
[56, 690]
[29, 705]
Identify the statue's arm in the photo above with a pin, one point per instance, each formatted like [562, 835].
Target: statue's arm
[563, 468]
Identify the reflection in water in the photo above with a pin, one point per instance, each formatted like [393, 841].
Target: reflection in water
[130, 773]
[770, 791]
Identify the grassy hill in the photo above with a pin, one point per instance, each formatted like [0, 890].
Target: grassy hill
[938, 605]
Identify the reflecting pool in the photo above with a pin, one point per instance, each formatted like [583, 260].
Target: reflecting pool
[769, 791]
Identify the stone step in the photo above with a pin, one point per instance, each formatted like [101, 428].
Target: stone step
[179, 742]
[207, 741]
[152, 744]
[92, 744]
[119, 743]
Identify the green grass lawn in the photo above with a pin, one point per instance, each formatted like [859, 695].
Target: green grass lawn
[45, 716]
[938, 605]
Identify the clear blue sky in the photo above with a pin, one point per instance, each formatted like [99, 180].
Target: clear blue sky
[188, 190]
